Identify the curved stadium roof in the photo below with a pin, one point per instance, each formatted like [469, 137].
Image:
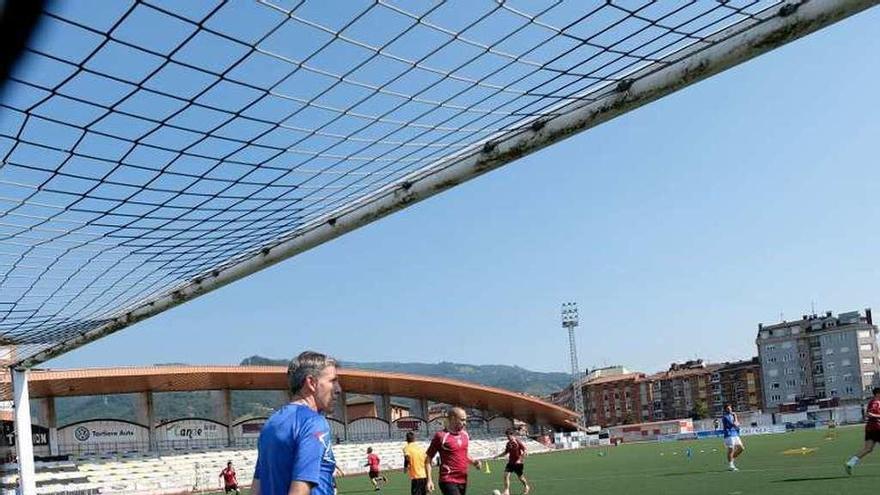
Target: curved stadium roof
[100, 381]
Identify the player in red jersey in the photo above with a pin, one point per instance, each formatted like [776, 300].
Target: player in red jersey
[452, 445]
[230, 482]
[375, 472]
[515, 451]
[872, 431]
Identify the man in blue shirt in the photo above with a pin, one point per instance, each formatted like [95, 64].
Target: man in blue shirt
[732, 441]
[295, 449]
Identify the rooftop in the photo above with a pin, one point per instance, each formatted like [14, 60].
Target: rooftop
[817, 322]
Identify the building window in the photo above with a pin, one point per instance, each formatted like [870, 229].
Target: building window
[868, 360]
[829, 351]
[844, 349]
[866, 347]
[845, 362]
[772, 373]
[775, 397]
[864, 334]
[770, 347]
[774, 385]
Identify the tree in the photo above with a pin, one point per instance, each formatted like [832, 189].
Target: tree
[701, 411]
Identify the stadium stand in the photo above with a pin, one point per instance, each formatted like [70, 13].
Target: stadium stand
[57, 477]
[177, 472]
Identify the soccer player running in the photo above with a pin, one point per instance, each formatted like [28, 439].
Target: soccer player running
[872, 431]
[515, 451]
[452, 445]
[230, 483]
[295, 448]
[414, 458]
[375, 473]
[734, 444]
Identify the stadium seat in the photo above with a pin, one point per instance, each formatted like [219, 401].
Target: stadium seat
[176, 471]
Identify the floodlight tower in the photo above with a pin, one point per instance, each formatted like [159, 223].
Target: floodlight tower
[569, 322]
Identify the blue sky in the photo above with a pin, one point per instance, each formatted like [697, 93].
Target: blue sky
[677, 228]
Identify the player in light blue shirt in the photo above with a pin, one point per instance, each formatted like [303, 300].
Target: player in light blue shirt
[295, 449]
[734, 444]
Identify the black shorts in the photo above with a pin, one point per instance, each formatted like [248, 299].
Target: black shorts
[231, 488]
[418, 486]
[516, 469]
[374, 474]
[453, 488]
[873, 435]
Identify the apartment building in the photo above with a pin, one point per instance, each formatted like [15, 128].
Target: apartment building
[738, 384]
[614, 399]
[682, 391]
[818, 357]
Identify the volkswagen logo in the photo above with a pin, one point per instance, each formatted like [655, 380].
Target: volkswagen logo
[82, 433]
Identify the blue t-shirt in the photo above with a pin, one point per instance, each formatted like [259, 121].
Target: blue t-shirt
[729, 426]
[295, 444]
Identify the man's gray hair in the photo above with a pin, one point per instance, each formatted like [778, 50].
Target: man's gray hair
[308, 363]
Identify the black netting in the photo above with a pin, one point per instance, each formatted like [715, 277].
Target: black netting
[146, 143]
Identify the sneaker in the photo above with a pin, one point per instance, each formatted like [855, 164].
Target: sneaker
[732, 468]
[848, 469]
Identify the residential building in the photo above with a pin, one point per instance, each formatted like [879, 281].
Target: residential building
[818, 357]
[682, 391]
[605, 372]
[564, 397]
[738, 384]
[613, 400]
[561, 398]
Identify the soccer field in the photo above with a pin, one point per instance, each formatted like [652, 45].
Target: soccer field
[664, 468]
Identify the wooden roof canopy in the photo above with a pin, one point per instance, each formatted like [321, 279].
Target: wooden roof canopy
[101, 381]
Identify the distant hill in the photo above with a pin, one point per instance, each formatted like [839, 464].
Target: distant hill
[260, 403]
[494, 375]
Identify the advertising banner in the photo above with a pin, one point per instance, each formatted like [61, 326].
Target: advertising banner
[39, 434]
[191, 429]
[102, 431]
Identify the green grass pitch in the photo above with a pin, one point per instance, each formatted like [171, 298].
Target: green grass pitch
[640, 468]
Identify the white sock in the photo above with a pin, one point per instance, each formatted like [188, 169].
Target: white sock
[731, 464]
[854, 460]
